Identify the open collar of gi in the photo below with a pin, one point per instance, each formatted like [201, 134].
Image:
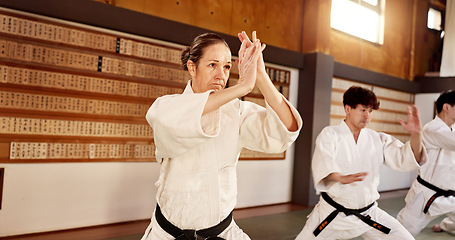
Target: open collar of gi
[440, 121]
[345, 126]
[189, 89]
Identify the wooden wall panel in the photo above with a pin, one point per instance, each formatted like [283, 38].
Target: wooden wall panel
[283, 27]
[398, 34]
[428, 44]
[409, 49]
[135, 5]
[316, 26]
[408, 46]
[215, 15]
[278, 23]
[4, 150]
[71, 93]
[174, 10]
[249, 16]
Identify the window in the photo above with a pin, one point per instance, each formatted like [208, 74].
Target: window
[434, 20]
[360, 18]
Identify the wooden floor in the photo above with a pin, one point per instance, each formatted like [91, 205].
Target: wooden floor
[129, 228]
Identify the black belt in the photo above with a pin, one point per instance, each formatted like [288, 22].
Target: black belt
[179, 234]
[439, 192]
[347, 211]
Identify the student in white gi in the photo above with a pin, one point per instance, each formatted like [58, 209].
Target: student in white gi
[438, 173]
[199, 135]
[345, 166]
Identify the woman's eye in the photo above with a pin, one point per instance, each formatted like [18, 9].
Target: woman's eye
[228, 67]
[211, 64]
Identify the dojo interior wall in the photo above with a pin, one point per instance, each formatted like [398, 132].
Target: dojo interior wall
[52, 196]
[426, 104]
[51, 193]
[408, 48]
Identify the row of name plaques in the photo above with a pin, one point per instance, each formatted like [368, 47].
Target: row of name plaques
[21, 26]
[43, 150]
[74, 91]
[91, 151]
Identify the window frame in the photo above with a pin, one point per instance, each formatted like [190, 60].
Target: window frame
[442, 18]
[379, 9]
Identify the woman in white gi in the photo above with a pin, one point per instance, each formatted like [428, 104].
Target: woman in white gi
[199, 135]
[345, 166]
[430, 195]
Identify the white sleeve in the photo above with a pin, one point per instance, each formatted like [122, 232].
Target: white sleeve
[324, 158]
[177, 123]
[262, 130]
[399, 156]
[440, 137]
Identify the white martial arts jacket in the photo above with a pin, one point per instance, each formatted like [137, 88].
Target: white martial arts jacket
[336, 151]
[197, 186]
[439, 142]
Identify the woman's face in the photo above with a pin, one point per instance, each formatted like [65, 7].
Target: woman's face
[212, 72]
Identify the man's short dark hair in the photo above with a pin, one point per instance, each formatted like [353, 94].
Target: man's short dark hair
[357, 95]
[445, 97]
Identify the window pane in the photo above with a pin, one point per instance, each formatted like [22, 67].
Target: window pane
[352, 18]
[372, 2]
[434, 19]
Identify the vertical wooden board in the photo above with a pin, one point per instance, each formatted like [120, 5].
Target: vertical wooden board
[178, 10]
[214, 15]
[397, 40]
[2, 174]
[316, 26]
[4, 150]
[283, 23]
[248, 16]
[427, 43]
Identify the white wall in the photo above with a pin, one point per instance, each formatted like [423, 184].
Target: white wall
[425, 103]
[46, 197]
[269, 181]
[391, 179]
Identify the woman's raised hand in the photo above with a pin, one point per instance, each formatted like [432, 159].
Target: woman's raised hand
[249, 54]
[243, 36]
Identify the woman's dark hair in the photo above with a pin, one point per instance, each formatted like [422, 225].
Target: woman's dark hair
[196, 50]
[357, 95]
[445, 97]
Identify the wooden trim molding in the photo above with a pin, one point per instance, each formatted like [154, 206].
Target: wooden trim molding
[435, 84]
[2, 177]
[345, 71]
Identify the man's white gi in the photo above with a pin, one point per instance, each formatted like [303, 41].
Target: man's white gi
[197, 187]
[439, 142]
[337, 151]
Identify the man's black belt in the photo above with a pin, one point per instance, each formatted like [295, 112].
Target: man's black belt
[347, 211]
[439, 193]
[179, 234]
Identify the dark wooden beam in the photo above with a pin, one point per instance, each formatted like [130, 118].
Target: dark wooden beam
[435, 84]
[315, 86]
[378, 79]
